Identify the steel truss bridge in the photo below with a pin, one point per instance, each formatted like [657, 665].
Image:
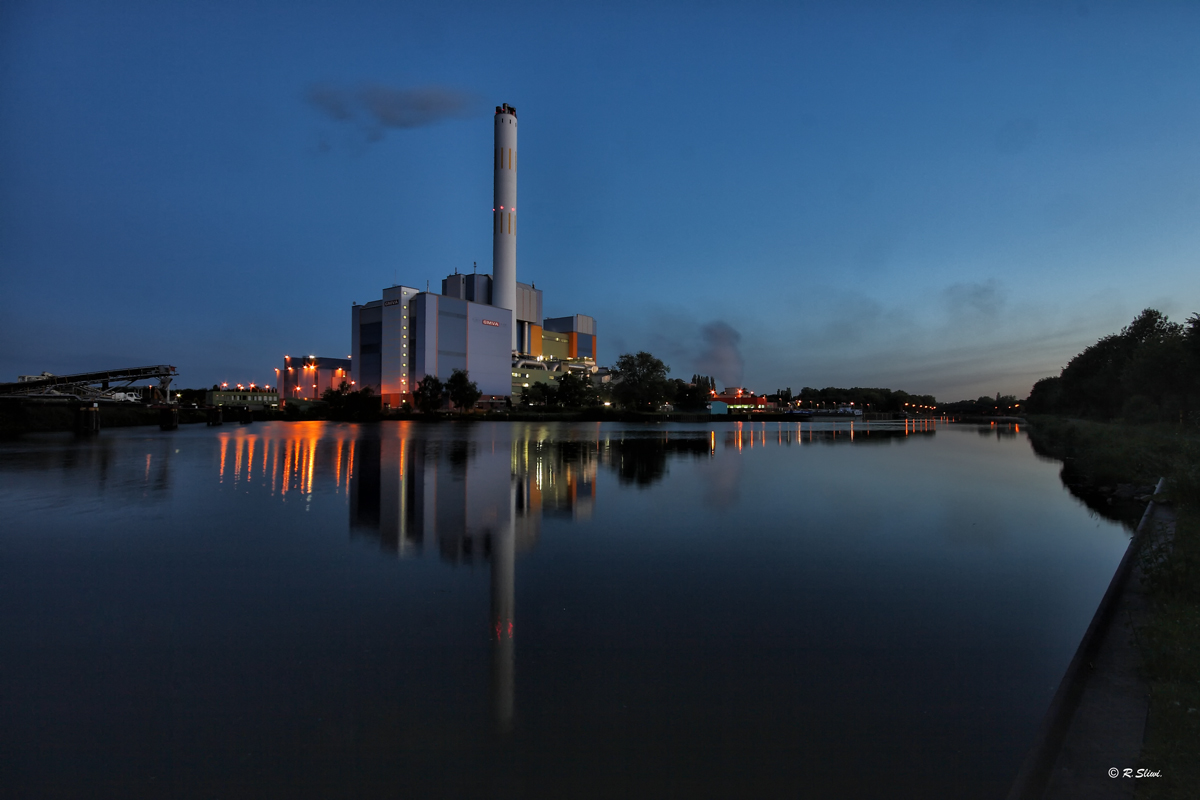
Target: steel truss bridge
[89, 385]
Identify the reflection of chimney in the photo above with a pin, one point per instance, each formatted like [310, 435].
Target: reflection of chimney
[503, 590]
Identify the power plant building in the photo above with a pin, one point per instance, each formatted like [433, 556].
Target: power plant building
[491, 326]
[408, 334]
[307, 377]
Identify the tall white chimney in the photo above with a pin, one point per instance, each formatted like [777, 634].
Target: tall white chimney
[504, 214]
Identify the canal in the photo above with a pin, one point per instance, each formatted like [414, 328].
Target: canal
[536, 609]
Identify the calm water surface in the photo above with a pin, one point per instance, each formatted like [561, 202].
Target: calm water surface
[535, 610]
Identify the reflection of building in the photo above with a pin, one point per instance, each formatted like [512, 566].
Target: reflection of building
[556, 478]
[469, 502]
[307, 377]
[450, 497]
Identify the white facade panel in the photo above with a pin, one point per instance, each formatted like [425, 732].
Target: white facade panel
[394, 347]
[489, 350]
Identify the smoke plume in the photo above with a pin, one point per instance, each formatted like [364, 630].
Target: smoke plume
[721, 357]
[376, 108]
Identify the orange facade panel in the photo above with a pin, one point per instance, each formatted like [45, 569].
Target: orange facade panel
[572, 345]
[535, 340]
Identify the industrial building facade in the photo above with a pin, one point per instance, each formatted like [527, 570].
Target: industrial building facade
[408, 334]
[491, 326]
[307, 377]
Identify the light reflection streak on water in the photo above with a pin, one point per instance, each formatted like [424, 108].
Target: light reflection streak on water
[312, 458]
[237, 461]
[532, 456]
[337, 465]
[287, 468]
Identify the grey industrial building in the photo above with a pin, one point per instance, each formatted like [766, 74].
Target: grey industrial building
[489, 325]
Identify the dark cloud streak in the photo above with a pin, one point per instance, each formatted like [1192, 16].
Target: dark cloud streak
[721, 357]
[375, 108]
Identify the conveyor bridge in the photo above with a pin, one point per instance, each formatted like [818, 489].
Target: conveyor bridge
[101, 385]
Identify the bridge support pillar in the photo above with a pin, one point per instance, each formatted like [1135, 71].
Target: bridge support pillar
[87, 419]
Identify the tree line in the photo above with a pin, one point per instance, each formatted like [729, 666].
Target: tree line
[1149, 372]
[639, 382]
[874, 399]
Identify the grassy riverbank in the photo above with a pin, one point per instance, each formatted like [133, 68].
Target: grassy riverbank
[1100, 456]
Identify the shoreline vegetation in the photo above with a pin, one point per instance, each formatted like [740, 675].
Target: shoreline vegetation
[1103, 463]
[1120, 415]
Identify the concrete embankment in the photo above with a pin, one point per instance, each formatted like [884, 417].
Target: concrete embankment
[19, 416]
[1096, 722]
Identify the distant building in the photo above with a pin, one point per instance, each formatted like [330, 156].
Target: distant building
[307, 377]
[259, 398]
[737, 400]
[577, 333]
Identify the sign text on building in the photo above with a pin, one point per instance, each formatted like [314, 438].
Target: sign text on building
[492, 323]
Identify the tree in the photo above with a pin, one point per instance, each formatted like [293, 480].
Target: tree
[641, 381]
[347, 404]
[1146, 371]
[538, 394]
[692, 396]
[574, 390]
[464, 393]
[428, 394]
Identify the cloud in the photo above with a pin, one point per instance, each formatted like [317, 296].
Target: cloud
[375, 108]
[720, 357]
[975, 299]
[335, 103]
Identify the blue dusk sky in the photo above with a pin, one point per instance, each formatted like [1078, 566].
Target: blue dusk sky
[948, 198]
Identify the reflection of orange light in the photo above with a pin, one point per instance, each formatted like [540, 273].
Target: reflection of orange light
[337, 466]
[312, 460]
[224, 444]
[287, 468]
